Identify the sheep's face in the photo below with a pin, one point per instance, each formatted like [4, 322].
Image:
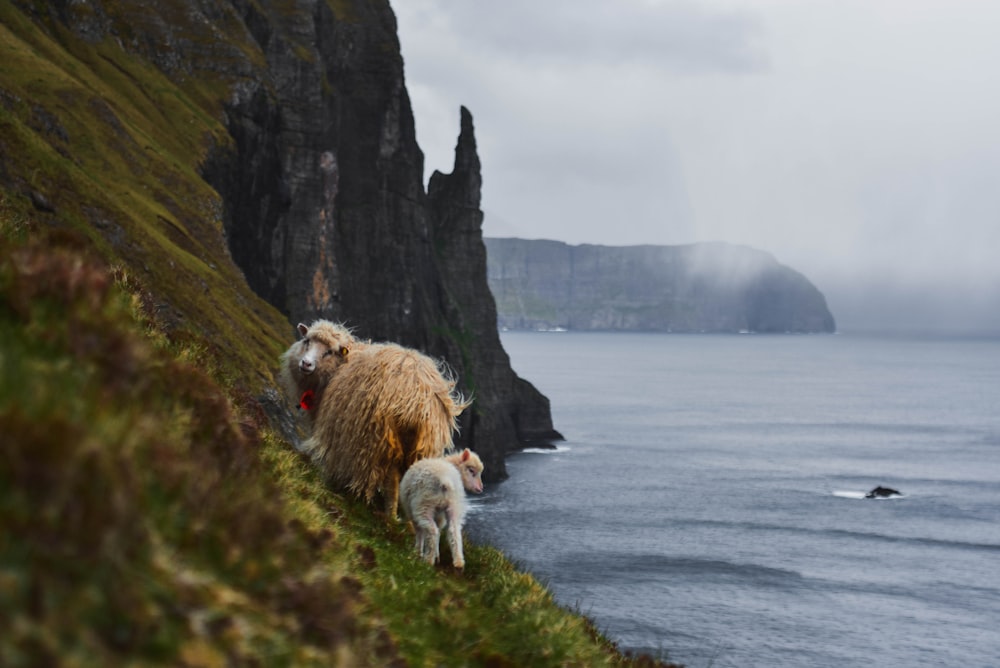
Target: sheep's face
[323, 348]
[471, 468]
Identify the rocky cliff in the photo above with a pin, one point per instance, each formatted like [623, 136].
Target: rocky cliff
[297, 114]
[505, 404]
[327, 216]
[710, 287]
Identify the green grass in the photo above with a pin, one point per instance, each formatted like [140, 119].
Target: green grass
[149, 514]
[144, 519]
[138, 519]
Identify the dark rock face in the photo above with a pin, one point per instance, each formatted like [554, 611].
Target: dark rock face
[323, 203]
[505, 404]
[710, 287]
[327, 216]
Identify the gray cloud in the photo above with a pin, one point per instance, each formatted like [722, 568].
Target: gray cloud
[856, 140]
[680, 36]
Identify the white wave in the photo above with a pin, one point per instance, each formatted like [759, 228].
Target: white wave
[848, 494]
[475, 504]
[851, 494]
[546, 451]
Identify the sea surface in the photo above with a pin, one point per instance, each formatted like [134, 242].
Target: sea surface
[707, 505]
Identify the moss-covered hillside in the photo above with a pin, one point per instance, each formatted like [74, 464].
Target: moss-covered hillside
[149, 514]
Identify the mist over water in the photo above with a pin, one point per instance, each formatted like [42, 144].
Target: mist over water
[708, 501]
[954, 307]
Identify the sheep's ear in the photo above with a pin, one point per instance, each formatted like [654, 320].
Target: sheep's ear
[302, 329]
[465, 455]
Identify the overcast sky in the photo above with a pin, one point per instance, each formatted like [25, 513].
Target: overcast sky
[857, 141]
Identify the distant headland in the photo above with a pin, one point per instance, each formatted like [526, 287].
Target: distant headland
[705, 287]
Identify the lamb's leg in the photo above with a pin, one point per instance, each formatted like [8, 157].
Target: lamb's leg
[422, 544]
[420, 535]
[418, 539]
[455, 539]
[428, 537]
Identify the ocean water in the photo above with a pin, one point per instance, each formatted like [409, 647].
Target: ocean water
[707, 504]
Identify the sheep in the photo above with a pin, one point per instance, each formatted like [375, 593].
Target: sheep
[376, 408]
[308, 365]
[433, 499]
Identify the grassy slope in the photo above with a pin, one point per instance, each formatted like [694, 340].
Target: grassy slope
[148, 514]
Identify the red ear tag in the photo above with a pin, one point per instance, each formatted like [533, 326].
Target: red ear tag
[308, 400]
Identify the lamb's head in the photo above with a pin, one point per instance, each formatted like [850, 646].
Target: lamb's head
[470, 466]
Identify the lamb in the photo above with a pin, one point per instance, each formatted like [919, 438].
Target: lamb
[433, 499]
[376, 408]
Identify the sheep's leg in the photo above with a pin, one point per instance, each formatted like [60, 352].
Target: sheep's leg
[455, 539]
[390, 490]
[393, 473]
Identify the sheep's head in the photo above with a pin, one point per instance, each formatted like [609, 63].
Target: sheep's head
[310, 362]
[323, 348]
[470, 466]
